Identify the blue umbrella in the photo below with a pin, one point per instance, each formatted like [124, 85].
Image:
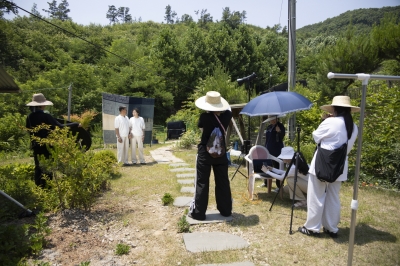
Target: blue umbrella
[276, 103]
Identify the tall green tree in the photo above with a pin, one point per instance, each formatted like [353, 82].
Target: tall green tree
[7, 7]
[386, 37]
[112, 14]
[59, 11]
[169, 15]
[123, 14]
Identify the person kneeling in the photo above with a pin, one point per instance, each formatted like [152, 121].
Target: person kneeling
[286, 155]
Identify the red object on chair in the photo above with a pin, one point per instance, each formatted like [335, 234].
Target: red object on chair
[259, 152]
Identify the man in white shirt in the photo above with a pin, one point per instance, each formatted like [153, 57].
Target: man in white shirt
[136, 123]
[122, 132]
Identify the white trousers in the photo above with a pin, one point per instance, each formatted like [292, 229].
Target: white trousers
[323, 205]
[122, 150]
[139, 141]
[301, 188]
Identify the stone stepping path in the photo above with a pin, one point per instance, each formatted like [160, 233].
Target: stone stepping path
[185, 181]
[200, 241]
[188, 190]
[164, 155]
[186, 175]
[244, 263]
[182, 169]
[213, 241]
[212, 216]
[182, 201]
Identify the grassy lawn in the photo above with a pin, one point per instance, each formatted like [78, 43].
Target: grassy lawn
[140, 189]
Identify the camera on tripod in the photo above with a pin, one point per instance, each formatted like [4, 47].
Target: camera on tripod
[246, 146]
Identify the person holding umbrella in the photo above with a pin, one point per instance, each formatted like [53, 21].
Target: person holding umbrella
[323, 202]
[274, 142]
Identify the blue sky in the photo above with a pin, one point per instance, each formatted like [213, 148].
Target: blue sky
[260, 13]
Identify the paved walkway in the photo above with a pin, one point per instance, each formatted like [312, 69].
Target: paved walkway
[199, 241]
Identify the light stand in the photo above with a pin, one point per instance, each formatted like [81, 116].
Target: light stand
[244, 150]
[296, 157]
[247, 81]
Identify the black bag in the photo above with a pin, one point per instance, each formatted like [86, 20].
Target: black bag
[329, 164]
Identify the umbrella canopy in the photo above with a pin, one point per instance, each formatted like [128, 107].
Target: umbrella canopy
[276, 103]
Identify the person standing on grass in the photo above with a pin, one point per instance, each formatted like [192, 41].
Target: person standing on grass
[323, 202]
[36, 118]
[122, 132]
[137, 125]
[218, 116]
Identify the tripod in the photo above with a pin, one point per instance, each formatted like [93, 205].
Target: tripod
[296, 157]
[241, 160]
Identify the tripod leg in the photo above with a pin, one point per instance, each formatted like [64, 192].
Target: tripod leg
[237, 169]
[29, 212]
[294, 190]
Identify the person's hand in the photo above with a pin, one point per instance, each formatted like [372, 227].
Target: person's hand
[278, 129]
[120, 140]
[80, 125]
[130, 136]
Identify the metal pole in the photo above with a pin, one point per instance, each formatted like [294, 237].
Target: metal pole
[354, 203]
[248, 92]
[292, 61]
[69, 101]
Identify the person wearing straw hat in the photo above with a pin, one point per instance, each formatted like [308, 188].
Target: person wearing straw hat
[286, 155]
[37, 117]
[323, 202]
[218, 115]
[274, 135]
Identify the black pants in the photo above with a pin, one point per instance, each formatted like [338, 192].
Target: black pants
[223, 194]
[37, 151]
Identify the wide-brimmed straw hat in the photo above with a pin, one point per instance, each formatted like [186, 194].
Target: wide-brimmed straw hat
[286, 153]
[343, 101]
[212, 102]
[39, 100]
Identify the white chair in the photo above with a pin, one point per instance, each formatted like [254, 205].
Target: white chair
[259, 152]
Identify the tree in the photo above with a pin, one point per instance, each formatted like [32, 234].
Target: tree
[112, 14]
[234, 18]
[186, 18]
[204, 17]
[58, 11]
[169, 15]
[386, 38]
[7, 7]
[123, 14]
[34, 10]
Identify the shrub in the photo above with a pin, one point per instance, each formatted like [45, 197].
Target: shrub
[167, 199]
[122, 249]
[183, 225]
[188, 139]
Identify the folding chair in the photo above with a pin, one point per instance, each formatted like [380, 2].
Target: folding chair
[258, 154]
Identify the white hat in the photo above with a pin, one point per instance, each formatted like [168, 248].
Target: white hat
[286, 153]
[273, 117]
[39, 100]
[343, 101]
[212, 102]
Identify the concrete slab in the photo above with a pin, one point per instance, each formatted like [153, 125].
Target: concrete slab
[178, 164]
[187, 190]
[185, 181]
[164, 155]
[182, 169]
[186, 175]
[182, 201]
[243, 263]
[212, 216]
[213, 241]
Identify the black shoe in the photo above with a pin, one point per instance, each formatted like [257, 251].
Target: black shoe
[195, 217]
[126, 164]
[331, 234]
[142, 163]
[305, 231]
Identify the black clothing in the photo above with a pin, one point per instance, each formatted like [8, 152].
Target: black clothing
[33, 120]
[274, 144]
[204, 163]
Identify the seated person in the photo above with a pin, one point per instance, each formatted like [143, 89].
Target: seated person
[302, 176]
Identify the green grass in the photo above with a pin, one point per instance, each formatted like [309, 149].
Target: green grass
[376, 237]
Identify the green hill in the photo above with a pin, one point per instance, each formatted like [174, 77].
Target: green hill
[362, 19]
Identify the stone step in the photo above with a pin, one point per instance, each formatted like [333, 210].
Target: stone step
[213, 241]
[188, 190]
[182, 169]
